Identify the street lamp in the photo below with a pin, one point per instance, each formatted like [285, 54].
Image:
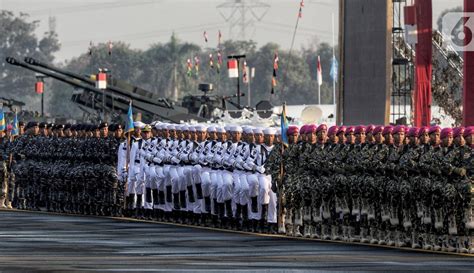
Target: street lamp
[39, 88]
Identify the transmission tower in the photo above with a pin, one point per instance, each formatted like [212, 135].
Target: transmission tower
[241, 15]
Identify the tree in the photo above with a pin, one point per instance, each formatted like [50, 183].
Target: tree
[17, 39]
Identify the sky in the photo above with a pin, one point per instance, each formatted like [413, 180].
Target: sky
[144, 22]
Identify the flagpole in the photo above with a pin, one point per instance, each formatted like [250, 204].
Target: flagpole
[333, 56]
[319, 94]
[280, 209]
[125, 190]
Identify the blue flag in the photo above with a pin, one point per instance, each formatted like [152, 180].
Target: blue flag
[130, 127]
[15, 130]
[284, 126]
[3, 125]
[334, 69]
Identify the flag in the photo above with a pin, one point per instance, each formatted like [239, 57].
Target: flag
[196, 64]
[233, 68]
[219, 61]
[211, 61]
[91, 45]
[245, 77]
[274, 76]
[110, 47]
[190, 67]
[320, 73]
[205, 36]
[284, 126]
[302, 3]
[130, 127]
[15, 130]
[3, 126]
[334, 69]
[300, 13]
[219, 37]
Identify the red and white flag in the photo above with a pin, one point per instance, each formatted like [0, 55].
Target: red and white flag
[232, 68]
[205, 36]
[320, 73]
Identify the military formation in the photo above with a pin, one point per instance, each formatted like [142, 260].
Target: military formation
[396, 186]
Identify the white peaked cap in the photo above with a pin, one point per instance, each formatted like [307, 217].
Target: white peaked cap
[258, 130]
[269, 131]
[248, 130]
[236, 128]
[139, 124]
[220, 130]
[211, 129]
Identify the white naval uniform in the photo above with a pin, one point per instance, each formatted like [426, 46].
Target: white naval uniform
[134, 168]
[266, 195]
[218, 151]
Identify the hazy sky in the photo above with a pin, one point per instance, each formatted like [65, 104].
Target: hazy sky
[144, 22]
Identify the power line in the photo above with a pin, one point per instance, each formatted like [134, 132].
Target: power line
[235, 14]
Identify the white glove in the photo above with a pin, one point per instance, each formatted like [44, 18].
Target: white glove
[157, 160]
[260, 169]
[175, 160]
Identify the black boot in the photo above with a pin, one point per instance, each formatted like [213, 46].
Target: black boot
[245, 217]
[221, 210]
[154, 194]
[207, 204]
[161, 197]
[169, 194]
[228, 211]
[182, 199]
[238, 212]
[176, 201]
[254, 205]
[138, 208]
[216, 206]
[199, 191]
[263, 220]
[191, 194]
[148, 198]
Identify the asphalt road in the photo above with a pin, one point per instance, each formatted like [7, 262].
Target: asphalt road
[44, 242]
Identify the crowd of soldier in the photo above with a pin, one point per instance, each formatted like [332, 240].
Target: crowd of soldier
[381, 185]
[374, 184]
[63, 168]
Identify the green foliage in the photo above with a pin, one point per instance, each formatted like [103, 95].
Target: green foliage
[18, 39]
[163, 69]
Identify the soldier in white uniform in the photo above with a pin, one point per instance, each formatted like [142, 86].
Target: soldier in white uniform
[133, 167]
[218, 152]
[141, 152]
[253, 179]
[228, 190]
[197, 158]
[267, 198]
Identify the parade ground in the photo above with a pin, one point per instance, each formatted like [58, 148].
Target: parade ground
[32, 241]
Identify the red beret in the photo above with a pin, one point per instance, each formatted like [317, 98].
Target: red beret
[468, 131]
[423, 130]
[378, 129]
[370, 128]
[359, 129]
[342, 129]
[414, 132]
[9, 127]
[333, 130]
[303, 129]
[311, 129]
[458, 131]
[434, 129]
[387, 130]
[350, 129]
[322, 127]
[446, 132]
[399, 129]
[292, 130]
